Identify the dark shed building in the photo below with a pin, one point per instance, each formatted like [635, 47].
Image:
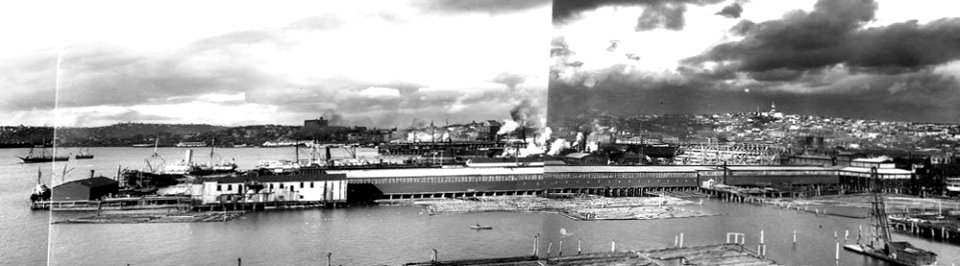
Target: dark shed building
[85, 189]
[582, 158]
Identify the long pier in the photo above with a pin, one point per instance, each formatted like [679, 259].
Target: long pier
[611, 181]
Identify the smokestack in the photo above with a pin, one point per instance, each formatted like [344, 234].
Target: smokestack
[188, 156]
[327, 155]
[91, 173]
[523, 133]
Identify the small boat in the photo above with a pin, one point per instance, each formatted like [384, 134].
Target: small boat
[480, 227]
[84, 154]
[33, 158]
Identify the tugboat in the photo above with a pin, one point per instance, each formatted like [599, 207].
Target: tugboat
[41, 192]
[43, 158]
[880, 244]
[84, 154]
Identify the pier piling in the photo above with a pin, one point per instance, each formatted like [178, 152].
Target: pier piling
[560, 253]
[681, 240]
[549, 248]
[536, 245]
[579, 251]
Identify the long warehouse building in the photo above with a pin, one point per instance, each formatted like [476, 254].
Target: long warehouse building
[605, 180]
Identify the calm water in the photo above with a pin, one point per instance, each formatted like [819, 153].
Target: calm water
[381, 235]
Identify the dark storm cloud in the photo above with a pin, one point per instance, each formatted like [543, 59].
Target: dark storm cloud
[668, 16]
[743, 27]
[833, 34]
[665, 13]
[486, 6]
[823, 62]
[921, 96]
[731, 11]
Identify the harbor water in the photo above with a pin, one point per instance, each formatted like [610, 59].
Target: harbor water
[384, 234]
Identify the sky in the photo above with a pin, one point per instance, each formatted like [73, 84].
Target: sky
[369, 63]
[865, 59]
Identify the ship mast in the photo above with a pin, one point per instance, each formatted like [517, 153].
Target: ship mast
[879, 210]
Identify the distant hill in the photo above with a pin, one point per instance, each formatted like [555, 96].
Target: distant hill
[126, 130]
[127, 134]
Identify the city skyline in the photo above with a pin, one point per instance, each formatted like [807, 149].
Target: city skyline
[226, 63]
[883, 60]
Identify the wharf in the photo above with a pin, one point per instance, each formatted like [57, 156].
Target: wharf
[939, 228]
[135, 218]
[116, 204]
[723, 254]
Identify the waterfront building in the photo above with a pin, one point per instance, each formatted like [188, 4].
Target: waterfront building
[85, 189]
[864, 174]
[304, 186]
[369, 184]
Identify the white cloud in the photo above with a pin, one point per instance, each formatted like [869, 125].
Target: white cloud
[380, 92]
[266, 56]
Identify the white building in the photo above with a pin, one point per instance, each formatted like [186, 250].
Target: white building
[304, 186]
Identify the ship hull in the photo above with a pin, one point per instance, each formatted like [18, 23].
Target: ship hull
[43, 159]
[866, 250]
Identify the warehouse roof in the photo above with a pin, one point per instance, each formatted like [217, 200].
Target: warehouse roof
[779, 168]
[93, 182]
[882, 171]
[624, 169]
[425, 172]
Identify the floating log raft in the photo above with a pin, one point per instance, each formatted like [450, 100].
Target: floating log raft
[579, 208]
[723, 254]
[135, 218]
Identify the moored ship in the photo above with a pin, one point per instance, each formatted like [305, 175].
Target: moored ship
[84, 154]
[32, 157]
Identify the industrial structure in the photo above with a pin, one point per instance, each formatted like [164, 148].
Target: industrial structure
[372, 184]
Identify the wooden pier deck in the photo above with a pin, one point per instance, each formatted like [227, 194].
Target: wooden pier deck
[720, 255]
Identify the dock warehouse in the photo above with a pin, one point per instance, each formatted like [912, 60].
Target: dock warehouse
[441, 182]
[781, 176]
[604, 180]
[620, 180]
[310, 187]
[85, 189]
